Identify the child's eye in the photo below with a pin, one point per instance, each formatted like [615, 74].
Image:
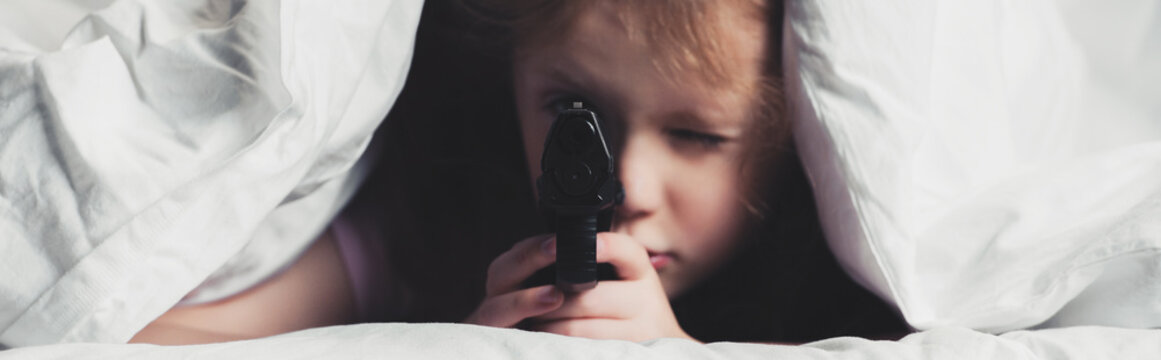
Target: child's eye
[705, 140]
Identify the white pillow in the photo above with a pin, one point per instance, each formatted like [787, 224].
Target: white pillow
[995, 165]
[171, 143]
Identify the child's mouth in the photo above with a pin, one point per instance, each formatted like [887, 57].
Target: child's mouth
[660, 260]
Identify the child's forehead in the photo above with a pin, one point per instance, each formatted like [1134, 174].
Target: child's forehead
[705, 39]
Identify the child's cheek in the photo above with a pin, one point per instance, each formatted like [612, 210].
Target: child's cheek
[711, 211]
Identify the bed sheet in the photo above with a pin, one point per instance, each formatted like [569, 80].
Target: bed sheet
[450, 341]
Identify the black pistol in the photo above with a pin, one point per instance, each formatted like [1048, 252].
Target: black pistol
[578, 189]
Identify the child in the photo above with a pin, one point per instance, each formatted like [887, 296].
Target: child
[689, 91]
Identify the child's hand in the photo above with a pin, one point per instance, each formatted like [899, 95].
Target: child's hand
[633, 308]
[505, 303]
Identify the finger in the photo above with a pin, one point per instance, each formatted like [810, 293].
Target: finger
[509, 309]
[513, 266]
[610, 299]
[629, 258]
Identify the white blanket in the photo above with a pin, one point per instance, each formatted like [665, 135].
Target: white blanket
[149, 147]
[456, 342]
[987, 164]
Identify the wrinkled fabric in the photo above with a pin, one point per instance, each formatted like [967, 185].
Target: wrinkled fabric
[992, 165]
[451, 341]
[148, 148]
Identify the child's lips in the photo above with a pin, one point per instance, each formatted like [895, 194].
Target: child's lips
[660, 260]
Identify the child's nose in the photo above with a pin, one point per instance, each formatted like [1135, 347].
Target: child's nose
[640, 171]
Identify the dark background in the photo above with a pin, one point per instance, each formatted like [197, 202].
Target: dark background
[452, 191]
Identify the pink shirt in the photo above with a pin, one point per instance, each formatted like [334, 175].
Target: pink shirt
[379, 295]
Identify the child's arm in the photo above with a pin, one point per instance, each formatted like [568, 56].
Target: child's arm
[313, 292]
[167, 334]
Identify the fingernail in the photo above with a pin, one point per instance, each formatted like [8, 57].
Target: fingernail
[548, 246]
[548, 295]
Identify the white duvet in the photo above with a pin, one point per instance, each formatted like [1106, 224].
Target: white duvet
[155, 151]
[455, 342]
[992, 165]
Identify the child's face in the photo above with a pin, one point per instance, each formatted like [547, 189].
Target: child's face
[678, 139]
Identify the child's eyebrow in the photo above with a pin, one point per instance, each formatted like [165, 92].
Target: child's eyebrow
[693, 118]
[575, 77]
